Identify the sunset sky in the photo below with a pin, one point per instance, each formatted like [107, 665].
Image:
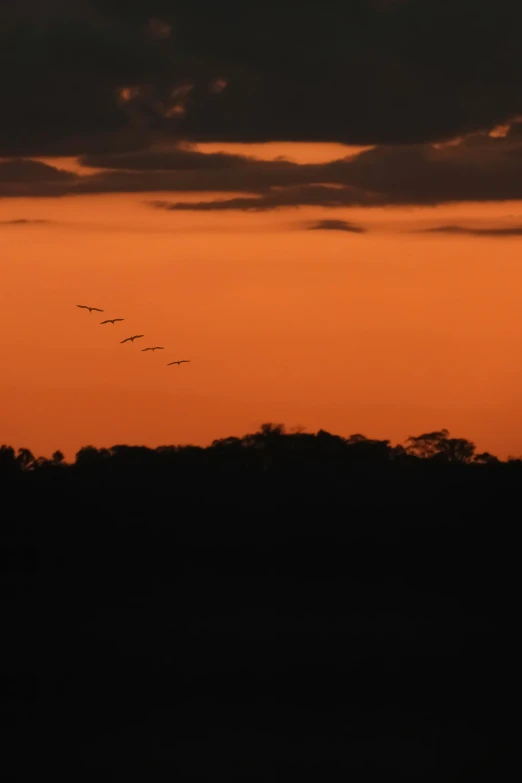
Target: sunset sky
[323, 212]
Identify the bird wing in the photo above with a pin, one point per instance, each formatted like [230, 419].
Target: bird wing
[146, 349]
[97, 309]
[118, 319]
[125, 341]
[159, 348]
[105, 322]
[83, 307]
[185, 361]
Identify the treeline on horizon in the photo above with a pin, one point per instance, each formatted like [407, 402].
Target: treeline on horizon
[272, 448]
[313, 601]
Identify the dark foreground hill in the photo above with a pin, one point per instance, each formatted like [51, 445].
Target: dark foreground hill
[276, 608]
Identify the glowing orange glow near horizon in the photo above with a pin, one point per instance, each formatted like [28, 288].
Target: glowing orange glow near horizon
[389, 333]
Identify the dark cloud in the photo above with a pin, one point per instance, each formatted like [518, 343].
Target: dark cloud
[336, 225]
[84, 76]
[64, 64]
[31, 172]
[362, 72]
[505, 231]
[478, 168]
[174, 159]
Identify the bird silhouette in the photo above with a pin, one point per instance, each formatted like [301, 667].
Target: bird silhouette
[181, 361]
[131, 339]
[90, 309]
[111, 321]
[155, 348]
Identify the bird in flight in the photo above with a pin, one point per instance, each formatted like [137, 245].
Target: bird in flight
[181, 361]
[131, 339]
[90, 309]
[155, 348]
[112, 320]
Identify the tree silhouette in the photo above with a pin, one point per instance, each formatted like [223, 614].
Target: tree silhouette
[364, 449]
[486, 459]
[91, 456]
[25, 459]
[228, 444]
[58, 458]
[269, 435]
[456, 450]
[8, 462]
[426, 445]
[289, 458]
[437, 445]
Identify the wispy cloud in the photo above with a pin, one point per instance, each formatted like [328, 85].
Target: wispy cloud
[24, 222]
[307, 195]
[336, 225]
[503, 231]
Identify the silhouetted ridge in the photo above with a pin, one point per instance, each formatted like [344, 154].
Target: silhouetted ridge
[322, 607]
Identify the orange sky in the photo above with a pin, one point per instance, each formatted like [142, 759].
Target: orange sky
[388, 333]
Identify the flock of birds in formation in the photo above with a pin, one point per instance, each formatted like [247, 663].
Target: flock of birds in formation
[132, 337]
